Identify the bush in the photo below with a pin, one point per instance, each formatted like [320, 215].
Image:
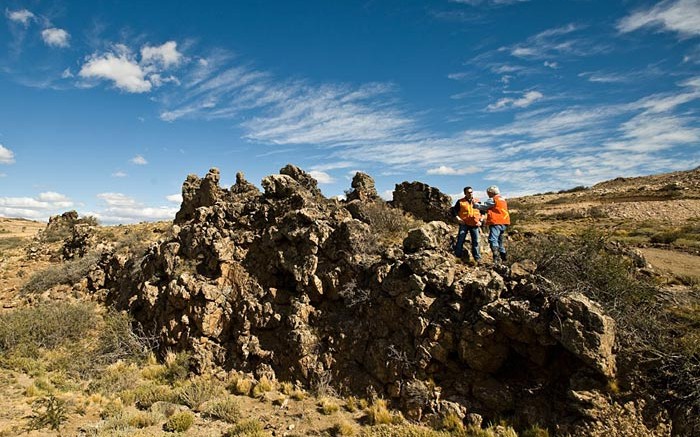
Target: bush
[343, 428]
[574, 190]
[228, 410]
[378, 414]
[263, 386]
[114, 379]
[648, 323]
[148, 394]
[402, 431]
[197, 391]
[667, 237]
[240, 385]
[48, 412]
[49, 326]
[118, 340]
[66, 273]
[179, 422]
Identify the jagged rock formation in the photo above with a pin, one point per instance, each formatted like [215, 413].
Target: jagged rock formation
[283, 284]
[423, 201]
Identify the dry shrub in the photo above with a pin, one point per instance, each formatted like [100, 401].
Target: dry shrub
[121, 338]
[240, 385]
[451, 422]
[48, 326]
[535, 431]
[328, 406]
[177, 366]
[114, 379]
[379, 414]
[227, 409]
[48, 412]
[66, 273]
[142, 419]
[197, 391]
[343, 428]
[148, 394]
[406, 430]
[648, 320]
[263, 386]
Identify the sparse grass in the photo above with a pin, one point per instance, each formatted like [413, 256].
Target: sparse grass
[452, 423]
[406, 430]
[351, 404]
[263, 386]
[66, 273]
[179, 422]
[328, 406]
[247, 428]
[9, 243]
[240, 385]
[227, 409]
[379, 414]
[114, 379]
[535, 431]
[343, 428]
[142, 419]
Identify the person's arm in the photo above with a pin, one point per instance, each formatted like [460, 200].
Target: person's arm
[486, 205]
[455, 212]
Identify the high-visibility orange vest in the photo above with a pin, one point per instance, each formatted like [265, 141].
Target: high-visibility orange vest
[498, 215]
[469, 215]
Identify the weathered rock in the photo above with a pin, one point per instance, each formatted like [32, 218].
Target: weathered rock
[363, 188]
[288, 284]
[423, 201]
[584, 329]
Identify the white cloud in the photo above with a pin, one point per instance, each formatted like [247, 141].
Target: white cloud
[22, 16]
[124, 209]
[67, 74]
[117, 199]
[119, 174]
[680, 16]
[650, 132]
[55, 37]
[605, 77]
[450, 171]
[387, 195]
[35, 208]
[166, 55]
[322, 177]
[552, 64]
[126, 74]
[138, 160]
[175, 198]
[6, 155]
[526, 100]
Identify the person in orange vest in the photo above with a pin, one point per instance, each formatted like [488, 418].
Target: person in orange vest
[469, 219]
[497, 219]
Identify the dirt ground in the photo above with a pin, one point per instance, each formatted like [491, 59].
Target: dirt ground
[681, 264]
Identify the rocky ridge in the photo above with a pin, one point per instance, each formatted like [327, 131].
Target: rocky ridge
[284, 283]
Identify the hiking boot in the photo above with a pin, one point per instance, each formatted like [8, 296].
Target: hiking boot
[503, 256]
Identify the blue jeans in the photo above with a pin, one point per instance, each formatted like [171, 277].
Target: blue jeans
[496, 240]
[462, 236]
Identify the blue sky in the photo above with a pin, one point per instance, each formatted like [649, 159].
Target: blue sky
[105, 107]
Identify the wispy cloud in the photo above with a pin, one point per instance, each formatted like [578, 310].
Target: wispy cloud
[6, 155]
[21, 16]
[679, 16]
[119, 174]
[55, 37]
[175, 198]
[553, 43]
[526, 100]
[138, 160]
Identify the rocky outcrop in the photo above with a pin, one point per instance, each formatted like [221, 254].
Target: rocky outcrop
[423, 201]
[280, 284]
[363, 188]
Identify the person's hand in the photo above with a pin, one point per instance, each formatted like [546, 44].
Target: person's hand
[459, 220]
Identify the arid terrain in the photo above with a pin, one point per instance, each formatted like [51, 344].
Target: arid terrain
[243, 317]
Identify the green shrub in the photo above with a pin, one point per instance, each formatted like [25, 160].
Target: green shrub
[535, 431]
[227, 409]
[48, 412]
[66, 273]
[114, 379]
[406, 430]
[177, 366]
[48, 325]
[179, 422]
[197, 391]
[148, 394]
[667, 237]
